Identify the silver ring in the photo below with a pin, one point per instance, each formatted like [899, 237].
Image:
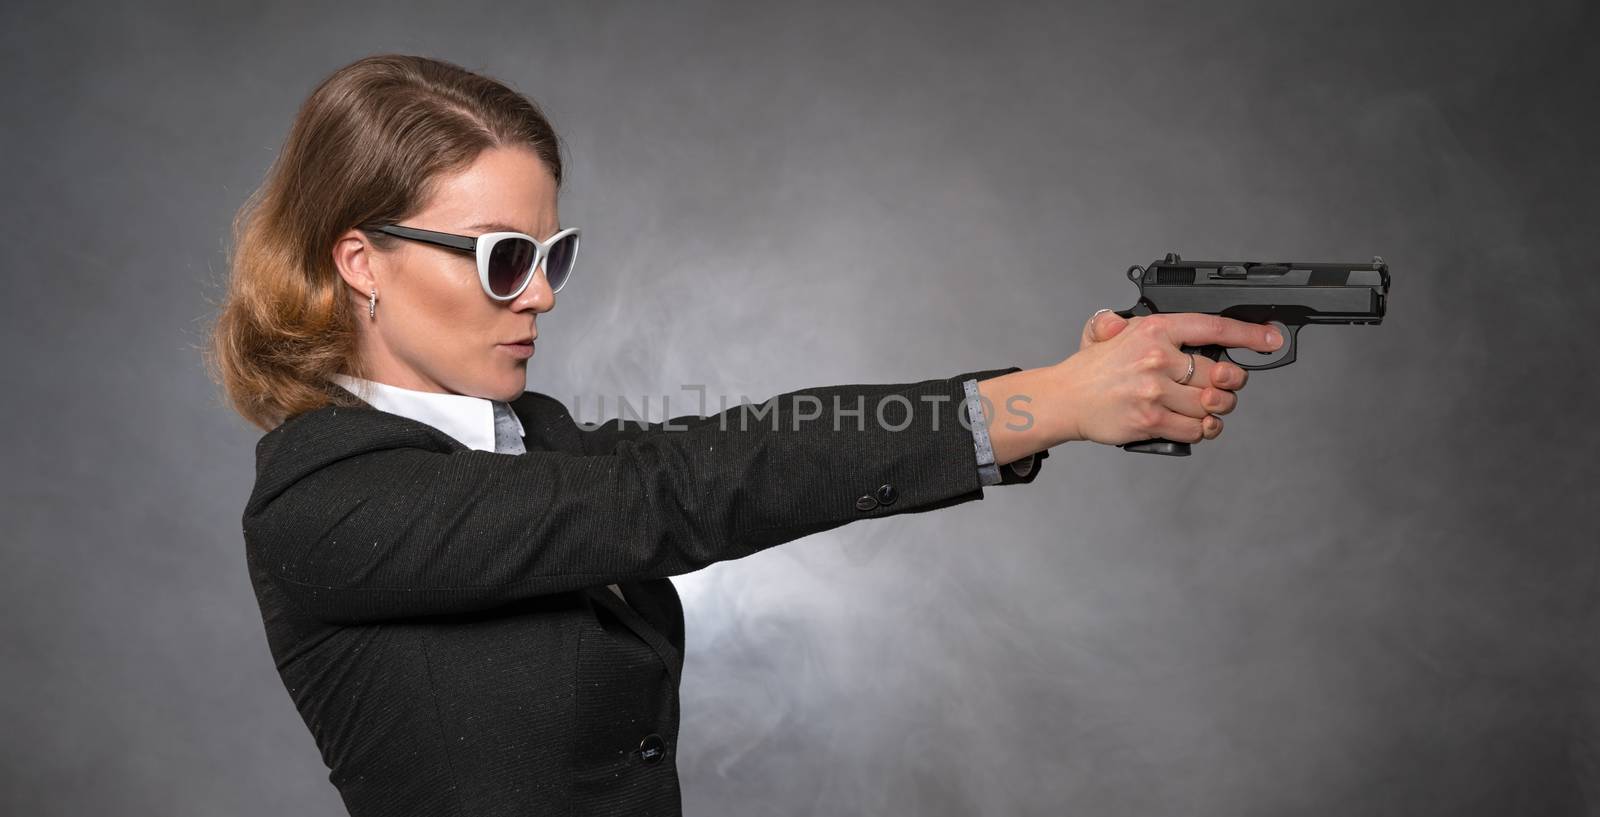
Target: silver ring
[1190, 373]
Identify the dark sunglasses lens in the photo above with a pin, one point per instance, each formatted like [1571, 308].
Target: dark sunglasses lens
[510, 262]
[558, 265]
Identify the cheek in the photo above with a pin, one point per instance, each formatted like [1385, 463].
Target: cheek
[448, 317]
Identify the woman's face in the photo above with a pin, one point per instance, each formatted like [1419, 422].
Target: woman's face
[436, 329]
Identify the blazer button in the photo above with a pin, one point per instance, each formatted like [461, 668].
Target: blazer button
[886, 494]
[866, 503]
[651, 749]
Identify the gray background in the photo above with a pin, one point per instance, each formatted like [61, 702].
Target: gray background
[1373, 595]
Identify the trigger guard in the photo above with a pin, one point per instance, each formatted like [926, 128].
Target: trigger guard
[1255, 361]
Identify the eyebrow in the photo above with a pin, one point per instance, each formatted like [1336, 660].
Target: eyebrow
[500, 226]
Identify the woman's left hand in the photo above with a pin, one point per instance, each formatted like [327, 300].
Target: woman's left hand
[1226, 377]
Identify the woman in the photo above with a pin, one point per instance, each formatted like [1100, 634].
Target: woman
[465, 592]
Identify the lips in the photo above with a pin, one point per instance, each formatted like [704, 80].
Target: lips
[520, 349]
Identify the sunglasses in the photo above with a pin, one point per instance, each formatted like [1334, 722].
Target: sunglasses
[506, 261]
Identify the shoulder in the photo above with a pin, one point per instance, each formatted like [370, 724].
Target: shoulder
[541, 404]
[314, 439]
[347, 430]
[546, 423]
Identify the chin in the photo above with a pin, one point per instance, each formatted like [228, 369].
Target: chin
[512, 391]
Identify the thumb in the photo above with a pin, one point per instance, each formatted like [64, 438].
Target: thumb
[1103, 325]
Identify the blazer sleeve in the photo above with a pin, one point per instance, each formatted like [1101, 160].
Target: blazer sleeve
[603, 438]
[360, 516]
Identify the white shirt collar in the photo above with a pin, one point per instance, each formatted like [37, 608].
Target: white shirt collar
[470, 420]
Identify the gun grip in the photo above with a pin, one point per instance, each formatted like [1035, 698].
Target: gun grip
[1157, 446]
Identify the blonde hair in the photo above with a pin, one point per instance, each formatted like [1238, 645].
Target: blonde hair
[363, 151]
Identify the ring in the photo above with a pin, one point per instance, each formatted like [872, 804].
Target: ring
[1189, 373]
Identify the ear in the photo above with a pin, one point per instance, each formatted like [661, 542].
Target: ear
[357, 262]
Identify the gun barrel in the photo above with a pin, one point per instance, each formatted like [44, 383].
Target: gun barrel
[1297, 293]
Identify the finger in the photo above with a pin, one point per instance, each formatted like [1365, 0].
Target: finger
[1090, 336]
[1185, 400]
[1201, 329]
[1212, 426]
[1218, 401]
[1109, 328]
[1222, 377]
[1181, 428]
[1228, 375]
[1102, 325]
[1198, 398]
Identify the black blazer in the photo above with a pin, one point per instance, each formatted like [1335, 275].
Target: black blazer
[440, 617]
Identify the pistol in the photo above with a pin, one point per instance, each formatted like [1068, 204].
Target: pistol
[1287, 295]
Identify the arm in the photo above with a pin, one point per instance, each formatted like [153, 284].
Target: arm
[361, 516]
[603, 438]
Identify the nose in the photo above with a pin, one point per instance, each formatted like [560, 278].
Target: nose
[537, 296]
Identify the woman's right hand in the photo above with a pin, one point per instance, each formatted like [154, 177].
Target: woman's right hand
[1123, 381]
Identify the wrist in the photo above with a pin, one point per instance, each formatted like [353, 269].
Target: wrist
[1025, 413]
[1061, 398]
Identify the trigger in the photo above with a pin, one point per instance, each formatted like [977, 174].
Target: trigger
[1247, 358]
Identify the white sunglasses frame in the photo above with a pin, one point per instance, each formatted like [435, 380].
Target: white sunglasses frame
[482, 247]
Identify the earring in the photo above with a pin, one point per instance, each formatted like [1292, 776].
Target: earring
[372, 305]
